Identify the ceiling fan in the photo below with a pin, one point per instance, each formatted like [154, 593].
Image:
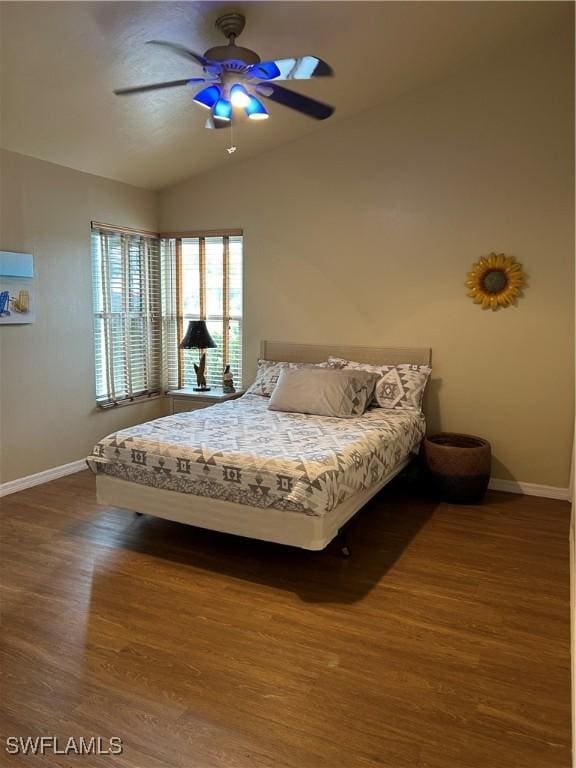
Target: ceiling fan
[235, 77]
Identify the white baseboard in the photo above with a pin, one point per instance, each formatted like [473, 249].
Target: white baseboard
[42, 477]
[530, 489]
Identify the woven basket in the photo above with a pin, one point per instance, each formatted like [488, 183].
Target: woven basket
[457, 466]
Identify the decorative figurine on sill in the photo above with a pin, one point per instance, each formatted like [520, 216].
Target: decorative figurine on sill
[228, 381]
[201, 375]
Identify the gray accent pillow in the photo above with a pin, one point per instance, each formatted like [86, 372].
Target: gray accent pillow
[270, 370]
[323, 392]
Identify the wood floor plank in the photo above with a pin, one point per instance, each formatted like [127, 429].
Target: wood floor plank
[442, 643]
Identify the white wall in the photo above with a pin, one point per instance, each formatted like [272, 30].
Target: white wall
[47, 408]
[363, 233]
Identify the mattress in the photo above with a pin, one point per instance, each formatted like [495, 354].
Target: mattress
[241, 452]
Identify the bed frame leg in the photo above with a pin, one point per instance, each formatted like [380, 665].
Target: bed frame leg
[342, 543]
[345, 551]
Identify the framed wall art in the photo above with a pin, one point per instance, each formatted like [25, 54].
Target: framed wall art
[17, 304]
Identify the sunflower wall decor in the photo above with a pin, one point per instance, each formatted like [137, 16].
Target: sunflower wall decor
[495, 281]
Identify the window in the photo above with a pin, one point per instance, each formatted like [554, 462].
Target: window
[202, 280]
[145, 291]
[127, 316]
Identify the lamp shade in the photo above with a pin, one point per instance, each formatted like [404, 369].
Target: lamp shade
[197, 336]
[222, 110]
[255, 109]
[207, 97]
[239, 96]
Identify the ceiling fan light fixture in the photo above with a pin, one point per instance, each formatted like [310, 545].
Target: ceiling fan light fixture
[256, 110]
[207, 97]
[222, 110]
[239, 96]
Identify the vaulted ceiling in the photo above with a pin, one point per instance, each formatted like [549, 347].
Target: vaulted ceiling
[62, 60]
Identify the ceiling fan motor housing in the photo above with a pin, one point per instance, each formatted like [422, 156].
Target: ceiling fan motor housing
[232, 53]
[231, 26]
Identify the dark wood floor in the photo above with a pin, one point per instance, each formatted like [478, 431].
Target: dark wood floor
[443, 642]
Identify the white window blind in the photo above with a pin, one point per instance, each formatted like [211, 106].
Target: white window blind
[202, 280]
[127, 316]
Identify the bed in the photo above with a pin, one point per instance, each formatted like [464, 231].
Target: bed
[240, 468]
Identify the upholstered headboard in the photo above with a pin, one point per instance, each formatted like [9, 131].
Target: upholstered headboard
[293, 352]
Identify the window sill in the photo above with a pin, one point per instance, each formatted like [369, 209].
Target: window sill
[123, 403]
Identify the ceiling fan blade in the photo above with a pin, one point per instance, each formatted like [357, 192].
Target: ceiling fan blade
[159, 86]
[181, 50]
[297, 101]
[300, 68]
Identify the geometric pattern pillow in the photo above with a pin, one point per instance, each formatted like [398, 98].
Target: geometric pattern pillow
[360, 393]
[269, 372]
[340, 362]
[401, 387]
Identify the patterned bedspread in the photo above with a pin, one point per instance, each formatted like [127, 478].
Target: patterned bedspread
[240, 451]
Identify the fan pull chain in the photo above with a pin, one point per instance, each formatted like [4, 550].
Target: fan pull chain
[232, 148]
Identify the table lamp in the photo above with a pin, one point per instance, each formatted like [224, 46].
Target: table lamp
[198, 337]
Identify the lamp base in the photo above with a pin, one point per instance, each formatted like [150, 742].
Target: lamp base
[201, 389]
